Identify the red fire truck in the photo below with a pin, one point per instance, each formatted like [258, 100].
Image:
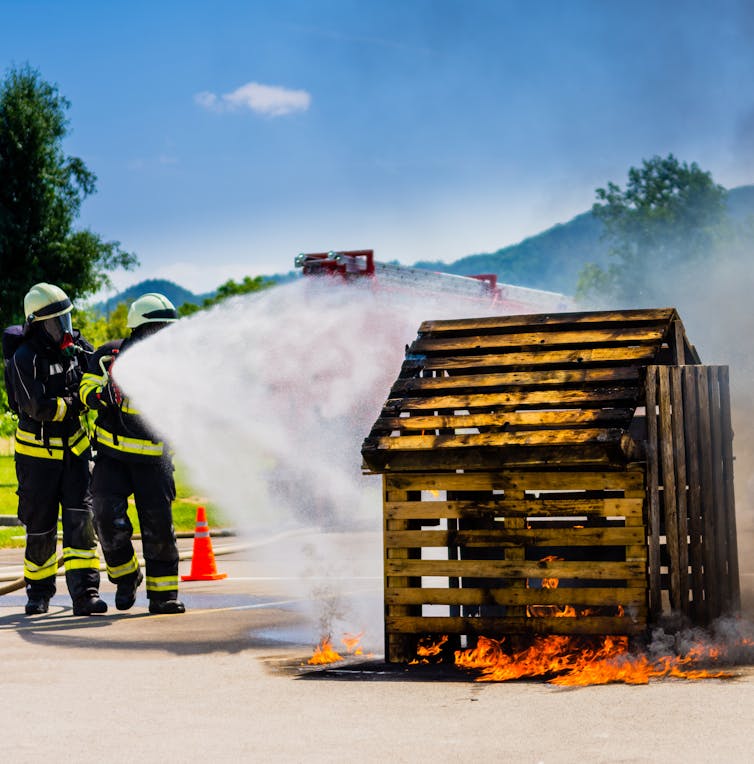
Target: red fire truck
[360, 264]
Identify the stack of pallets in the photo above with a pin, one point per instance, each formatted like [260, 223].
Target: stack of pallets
[517, 456]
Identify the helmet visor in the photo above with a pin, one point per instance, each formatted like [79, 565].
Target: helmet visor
[57, 327]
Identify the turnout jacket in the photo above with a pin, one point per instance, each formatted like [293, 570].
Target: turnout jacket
[45, 386]
[119, 430]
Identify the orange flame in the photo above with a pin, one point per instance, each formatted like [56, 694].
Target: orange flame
[351, 642]
[428, 649]
[324, 653]
[555, 611]
[573, 661]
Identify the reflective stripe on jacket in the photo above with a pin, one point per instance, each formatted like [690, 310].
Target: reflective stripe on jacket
[123, 444]
[119, 429]
[33, 444]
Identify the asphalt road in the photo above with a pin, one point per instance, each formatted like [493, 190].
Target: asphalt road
[228, 681]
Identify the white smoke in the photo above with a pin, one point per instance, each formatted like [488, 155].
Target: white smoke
[266, 400]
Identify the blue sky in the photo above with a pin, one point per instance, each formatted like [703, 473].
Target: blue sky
[229, 136]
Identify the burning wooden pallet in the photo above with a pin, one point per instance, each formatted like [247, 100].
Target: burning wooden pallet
[526, 490]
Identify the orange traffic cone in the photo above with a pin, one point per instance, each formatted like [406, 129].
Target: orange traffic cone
[203, 566]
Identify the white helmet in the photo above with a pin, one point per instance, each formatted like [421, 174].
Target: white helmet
[44, 301]
[48, 307]
[151, 308]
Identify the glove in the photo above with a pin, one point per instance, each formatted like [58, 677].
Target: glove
[112, 394]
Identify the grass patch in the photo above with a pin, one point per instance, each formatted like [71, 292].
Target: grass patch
[8, 485]
[11, 537]
[184, 506]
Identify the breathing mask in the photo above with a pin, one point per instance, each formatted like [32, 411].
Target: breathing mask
[60, 330]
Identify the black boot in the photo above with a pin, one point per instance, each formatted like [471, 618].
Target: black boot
[91, 605]
[125, 596]
[163, 607]
[37, 604]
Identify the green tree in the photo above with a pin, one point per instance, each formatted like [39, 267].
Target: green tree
[99, 329]
[670, 217]
[230, 288]
[41, 192]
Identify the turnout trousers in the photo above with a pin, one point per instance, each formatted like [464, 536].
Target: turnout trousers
[44, 487]
[153, 489]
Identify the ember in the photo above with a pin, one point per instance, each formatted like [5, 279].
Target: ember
[571, 661]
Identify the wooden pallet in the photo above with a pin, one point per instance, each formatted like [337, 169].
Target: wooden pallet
[693, 555]
[539, 434]
[477, 554]
[523, 391]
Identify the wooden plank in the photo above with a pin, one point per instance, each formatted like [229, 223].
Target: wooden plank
[669, 505]
[653, 496]
[679, 460]
[617, 335]
[582, 596]
[553, 399]
[515, 525]
[510, 419]
[586, 456]
[542, 320]
[561, 437]
[676, 337]
[511, 536]
[528, 481]
[638, 355]
[691, 437]
[629, 508]
[397, 648]
[514, 380]
[718, 491]
[496, 626]
[726, 438]
[515, 569]
[711, 583]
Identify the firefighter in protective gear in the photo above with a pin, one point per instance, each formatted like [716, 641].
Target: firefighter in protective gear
[131, 459]
[52, 454]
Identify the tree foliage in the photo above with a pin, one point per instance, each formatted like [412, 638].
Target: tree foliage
[41, 192]
[98, 329]
[670, 217]
[230, 288]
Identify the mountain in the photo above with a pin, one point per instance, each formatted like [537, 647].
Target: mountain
[553, 259]
[175, 293]
[550, 260]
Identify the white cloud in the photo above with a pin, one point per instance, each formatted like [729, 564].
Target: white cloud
[269, 100]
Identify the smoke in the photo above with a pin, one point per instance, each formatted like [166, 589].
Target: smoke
[716, 310]
[267, 397]
[713, 298]
[266, 400]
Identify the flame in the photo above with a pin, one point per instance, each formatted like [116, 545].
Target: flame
[555, 611]
[583, 661]
[550, 583]
[351, 642]
[324, 653]
[428, 649]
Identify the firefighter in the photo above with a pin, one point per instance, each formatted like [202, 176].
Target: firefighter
[131, 459]
[52, 453]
